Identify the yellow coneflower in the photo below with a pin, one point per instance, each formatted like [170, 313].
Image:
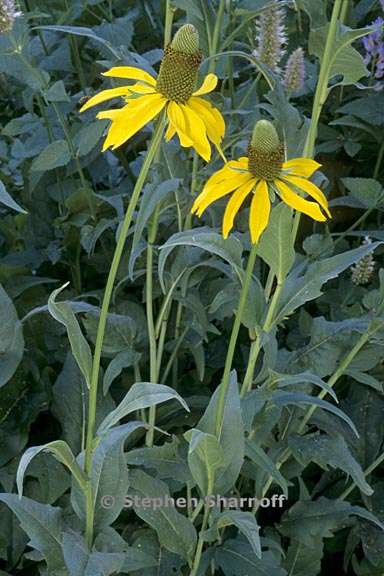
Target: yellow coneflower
[193, 119]
[261, 172]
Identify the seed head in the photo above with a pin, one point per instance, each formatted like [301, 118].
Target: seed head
[294, 74]
[271, 36]
[186, 40]
[265, 151]
[8, 14]
[363, 270]
[179, 67]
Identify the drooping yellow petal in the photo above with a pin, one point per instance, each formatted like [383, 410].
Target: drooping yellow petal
[211, 117]
[234, 206]
[112, 114]
[311, 189]
[133, 117]
[212, 193]
[259, 212]
[196, 131]
[178, 122]
[105, 95]
[169, 134]
[208, 85]
[130, 72]
[301, 166]
[295, 201]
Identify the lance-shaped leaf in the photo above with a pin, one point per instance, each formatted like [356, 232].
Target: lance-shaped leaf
[63, 313]
[61, 451]
[11, 338]
[205, 456]
[141, 395]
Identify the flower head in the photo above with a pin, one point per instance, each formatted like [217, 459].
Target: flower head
[261, 171]
[8, 14]
[192, 118]
[294, 74]
[362, 271]
[374, 48]
[271, 36]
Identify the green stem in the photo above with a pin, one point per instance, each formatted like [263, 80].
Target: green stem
[150, 320]
[251, 89]
[233, 340]
[153, 147]
[216, 35]
[255, 346]
[321, 92]
[200, 542]
[379, 160]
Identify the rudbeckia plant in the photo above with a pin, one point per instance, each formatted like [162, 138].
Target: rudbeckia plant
[195, 121]
[260, 175]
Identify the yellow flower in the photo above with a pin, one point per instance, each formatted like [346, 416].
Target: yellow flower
[262, 171]
[193, 119]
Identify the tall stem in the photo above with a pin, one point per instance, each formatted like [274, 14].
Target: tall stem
[216, 34]
[233, 340]
[154, 145]
[255, 346]
[150, 320]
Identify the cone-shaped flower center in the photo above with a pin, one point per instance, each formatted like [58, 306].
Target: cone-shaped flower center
[178, 71]
[265, 151]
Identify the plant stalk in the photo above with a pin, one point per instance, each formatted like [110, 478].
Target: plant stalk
[233, 340]
[153, 147]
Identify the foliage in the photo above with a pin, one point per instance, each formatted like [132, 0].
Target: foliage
[302, 414]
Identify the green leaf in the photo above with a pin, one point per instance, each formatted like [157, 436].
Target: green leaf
[345, 61]
[213, 242]
[367, 190]
[141, 395]
[316, 11]
[276, 244]
[246, 523]
[7, 200]
[122, 360]
[300, 288]
[80, 562]
[303, 561]
[231, 437]
[236, 558]
[152, 196]
[166, 460]
[109, 476]
[63, 313]
[257, 455]
[330, 451]
[42, 523]
[61, 452]
[175, 532]
[283, 380]
[11, 338]
[89, 136]
[281, 398]
[205, 456]
[311, 521]
[57, 93]
[82, 31]
[53, 156]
